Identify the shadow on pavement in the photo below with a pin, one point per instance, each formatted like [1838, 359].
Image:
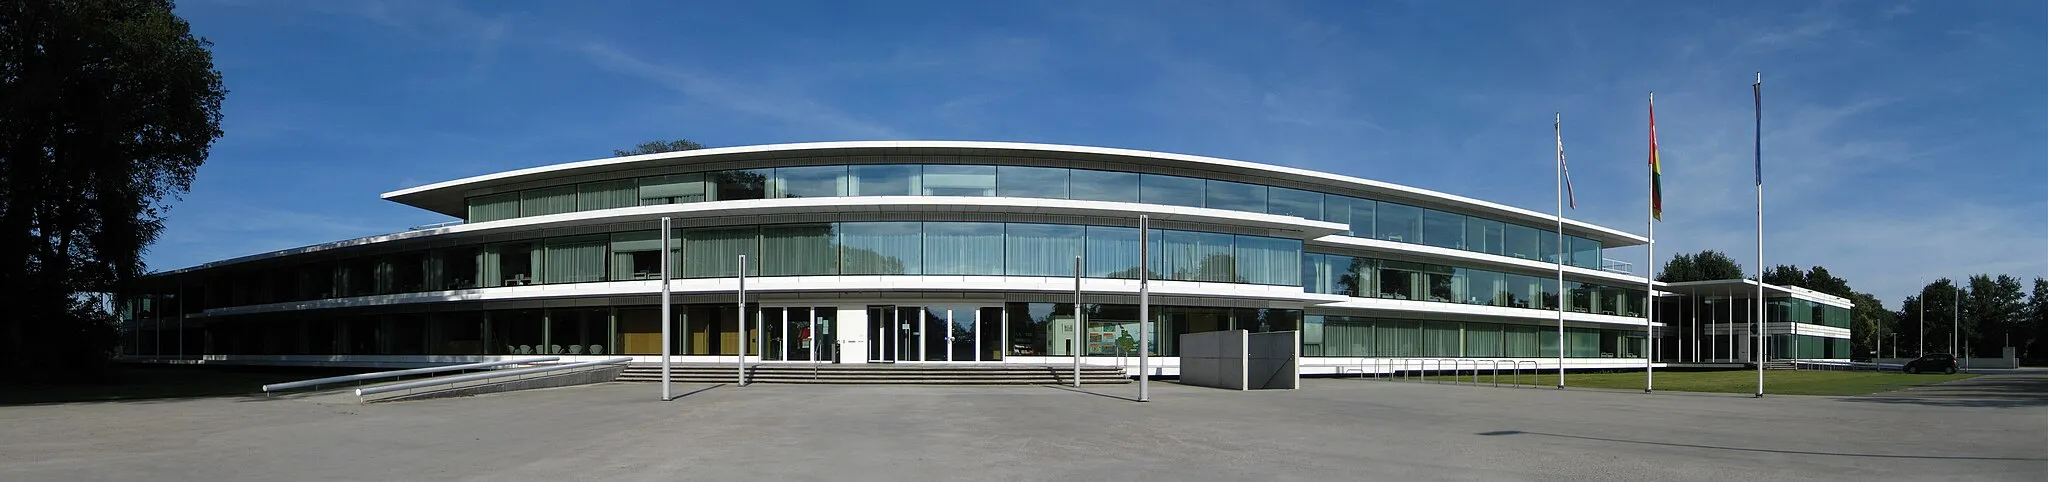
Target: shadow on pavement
[1748, 449]
[1988, 391]
[693, 392]
[1077, 390]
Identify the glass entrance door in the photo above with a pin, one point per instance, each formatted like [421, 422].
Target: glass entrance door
[939, 333]
[801, 334]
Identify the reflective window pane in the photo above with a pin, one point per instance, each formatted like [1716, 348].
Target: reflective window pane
[1337, 209]
[1090, 185]
[813, 181]
[799, 250]
[955, 180]
[671, 189]
[1112, 252]
[1235, 196]
[1522, 242]
[1041, 249]
[1038, 182]
[1483, 235]
[1398, 222]
[883, 180]
[1268, 261]
[881, 248]
[1294, 202]
[1443, 229]
[715, 252]
[1170, 190]
[1193, 256]
[963, 248]
[1585, 253]
[739, 184]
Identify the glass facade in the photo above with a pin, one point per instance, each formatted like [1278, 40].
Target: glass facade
[1367, 218]
[1357, 336]
[822, 249]
[1402, 280]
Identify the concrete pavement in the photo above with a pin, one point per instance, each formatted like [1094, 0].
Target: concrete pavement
[1329, 430]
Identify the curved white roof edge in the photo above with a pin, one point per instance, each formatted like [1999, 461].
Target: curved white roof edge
[1609, 236]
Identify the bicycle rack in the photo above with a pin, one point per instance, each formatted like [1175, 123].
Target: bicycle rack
[1534, 368]
[1496, 372]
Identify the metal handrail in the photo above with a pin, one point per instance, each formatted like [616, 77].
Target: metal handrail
[486, 376]
[399, 373]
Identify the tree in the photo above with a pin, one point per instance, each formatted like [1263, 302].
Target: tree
[107, 108]
[1785, 275]
[1705, 266]
[1939, 298]
[656, 147]
[1992, 309]
[2036, 345]
[1870, 322]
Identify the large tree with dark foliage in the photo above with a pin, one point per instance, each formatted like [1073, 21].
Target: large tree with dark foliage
[107, 109]
[1706, 266]
[654, 147]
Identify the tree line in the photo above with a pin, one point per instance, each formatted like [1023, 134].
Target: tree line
[1992, 312]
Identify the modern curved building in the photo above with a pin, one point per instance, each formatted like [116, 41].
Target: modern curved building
[915, 251]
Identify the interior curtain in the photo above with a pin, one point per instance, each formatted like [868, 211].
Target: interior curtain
[963, 248]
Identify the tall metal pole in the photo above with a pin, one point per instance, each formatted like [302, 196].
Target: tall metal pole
[1762, 326]
[1074, 346]
[1922, 349]
[1955, 322]
[665, 315]
[1650, 252]
[1144, 307]
[741, 337]
[1559, 127]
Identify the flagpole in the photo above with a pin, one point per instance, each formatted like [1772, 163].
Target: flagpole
[1649, 279]
[1558, 127]
[1762, 327]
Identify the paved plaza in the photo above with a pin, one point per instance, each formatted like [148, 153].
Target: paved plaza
[1329, 430]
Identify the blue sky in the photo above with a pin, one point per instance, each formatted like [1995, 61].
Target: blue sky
[1903, 140]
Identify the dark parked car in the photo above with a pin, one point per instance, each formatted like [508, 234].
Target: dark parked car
[1939, 362]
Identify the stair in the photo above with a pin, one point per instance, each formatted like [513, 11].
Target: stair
[879, 374]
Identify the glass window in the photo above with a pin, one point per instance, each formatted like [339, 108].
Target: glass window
[881, 248]
[1585, 253]
[1040, 329]
[1441, 338]
[1483, 235]
[1581, 296]
[1235, 196]
[1170, 190]
[1025, 181]
[1399, 280]
[678, 188]
[1090, 185]
[1398, 222]
[813, 181]
[1294, 202]
[1481, 287]
[1337, 209]
[1398, 337]
[883, 180]
[1317, 276]
[1193, 256]
[1041, 249]
[1268, 261]
[1442, 229]
[636, 255]
[1522, 242]
[1443, 283]
[963, 248]
[1483, 340]
[592, 196]
[547, 200]
[1113, 252]
[1348, 336]
[715, 252]
[1546, 245]
[953, 180]
[493, 207]
[1524, 341]
[799, 250]
[574, 259]
[738, 185]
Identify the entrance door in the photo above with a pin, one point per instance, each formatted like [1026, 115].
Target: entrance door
[801, 333]
[957, 333]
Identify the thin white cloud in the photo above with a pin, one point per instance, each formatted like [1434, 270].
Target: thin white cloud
[784, 107]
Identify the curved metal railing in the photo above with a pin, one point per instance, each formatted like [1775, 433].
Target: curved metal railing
[487, 375]
[399, 373]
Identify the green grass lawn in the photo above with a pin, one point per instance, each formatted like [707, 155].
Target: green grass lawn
[1782, 382]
